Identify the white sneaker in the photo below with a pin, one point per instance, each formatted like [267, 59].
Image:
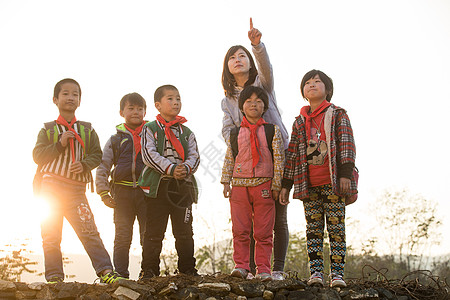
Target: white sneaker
[264, 277]
[278, 275]
[316, 278]
[337, 281]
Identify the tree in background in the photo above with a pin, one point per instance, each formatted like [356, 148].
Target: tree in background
[409, 226]
[13, 264]
[216, 257]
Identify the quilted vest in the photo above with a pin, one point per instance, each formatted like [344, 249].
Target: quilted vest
[243, 162]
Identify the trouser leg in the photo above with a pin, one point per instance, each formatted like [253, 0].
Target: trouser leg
[263, 220]
[124, 216]
[281, 237]
[334, 207]
[241, 217]
[315, 224]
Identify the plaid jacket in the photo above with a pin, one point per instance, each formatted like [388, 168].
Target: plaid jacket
[341, 150]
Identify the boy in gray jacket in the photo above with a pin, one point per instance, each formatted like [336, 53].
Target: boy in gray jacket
[170, 155]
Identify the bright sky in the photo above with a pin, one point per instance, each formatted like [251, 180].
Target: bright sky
[389, 61]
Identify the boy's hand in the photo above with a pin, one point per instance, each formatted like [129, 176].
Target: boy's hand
[275, 195]
[76, 167]
[254, 34]
[109, 201]
[344, 184]
[226, 190]
[65, 137]
[284, 196]
[180, 172]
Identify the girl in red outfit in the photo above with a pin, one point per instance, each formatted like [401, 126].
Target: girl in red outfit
[320, 163]
[254, 168]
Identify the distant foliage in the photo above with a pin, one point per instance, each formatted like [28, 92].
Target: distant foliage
[13, 264]
[409, 225]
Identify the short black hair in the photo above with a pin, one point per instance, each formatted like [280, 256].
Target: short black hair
[159, 93]
[325, 79]
[248, 91]
[134, 99]
[58, 86]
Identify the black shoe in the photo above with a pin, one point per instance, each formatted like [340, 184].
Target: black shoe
[191, 272]
[146, 275]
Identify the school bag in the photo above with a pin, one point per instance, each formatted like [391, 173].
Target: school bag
[53, 133]
[234, 133]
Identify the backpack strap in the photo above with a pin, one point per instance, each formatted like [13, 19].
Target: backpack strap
[234, 141]
[85, 132]
[50, 129]
[270, 132]
[269, 129]
[115, 145]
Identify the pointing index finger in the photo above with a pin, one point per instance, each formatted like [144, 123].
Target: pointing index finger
[251, 24]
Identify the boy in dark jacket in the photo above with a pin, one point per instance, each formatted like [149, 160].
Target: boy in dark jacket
[123, 151]
[66, 151]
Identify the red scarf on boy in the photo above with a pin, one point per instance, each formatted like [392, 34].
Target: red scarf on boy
[308, 117]
[170, 135]
[253, 138]
[136, 137]
[62, 121]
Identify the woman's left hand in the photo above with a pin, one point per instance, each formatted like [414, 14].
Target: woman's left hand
[254, 34]
[344, 183]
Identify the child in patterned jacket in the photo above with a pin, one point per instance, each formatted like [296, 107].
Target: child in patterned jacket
[320, 163]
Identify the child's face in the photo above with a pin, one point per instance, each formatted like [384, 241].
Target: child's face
[253, 108]
[68, 98]
[314, 89]
[133, 115]
[170, 105]
[239, 63]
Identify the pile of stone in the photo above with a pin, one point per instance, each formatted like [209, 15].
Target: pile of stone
[182, 287]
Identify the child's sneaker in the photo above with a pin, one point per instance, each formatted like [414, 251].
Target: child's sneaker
[278, 275]
[110, 277]
[316, 278]
[337, 281]
[55, 280]
[240, 273]
[264, 276]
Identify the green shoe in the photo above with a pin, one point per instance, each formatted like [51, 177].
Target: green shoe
[111, 277]
[55, 280]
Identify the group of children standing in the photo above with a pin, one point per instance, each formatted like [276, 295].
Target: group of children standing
[151, 166]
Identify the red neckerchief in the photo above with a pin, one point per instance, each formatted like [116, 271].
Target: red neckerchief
[62, 121]
[136, 137]
[308, 117]
[253, 138]
[170, 135]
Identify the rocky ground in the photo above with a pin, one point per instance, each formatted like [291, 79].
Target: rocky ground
[221, 287]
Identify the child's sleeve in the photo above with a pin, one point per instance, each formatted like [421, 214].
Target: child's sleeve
[104, 170]
[264, 66]
[150, 155]
[232, 117]
[278, 159]
[345, 144]
[192, 161]
[93, 156]
[45, 151]
[289, 168]
[228, 165]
